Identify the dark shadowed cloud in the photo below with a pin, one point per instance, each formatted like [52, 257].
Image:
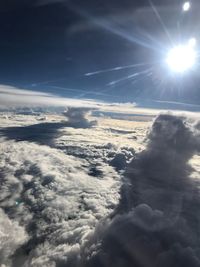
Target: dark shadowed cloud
[41, 133]
[157, 220]
[47, 132]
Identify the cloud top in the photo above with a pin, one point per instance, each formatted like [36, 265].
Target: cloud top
[157, 221]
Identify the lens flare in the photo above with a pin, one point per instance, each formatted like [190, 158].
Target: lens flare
[192, 42]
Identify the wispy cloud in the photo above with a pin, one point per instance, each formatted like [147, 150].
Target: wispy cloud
[14, 97]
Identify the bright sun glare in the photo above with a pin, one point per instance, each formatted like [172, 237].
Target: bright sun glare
[182, 57]
[186, 6]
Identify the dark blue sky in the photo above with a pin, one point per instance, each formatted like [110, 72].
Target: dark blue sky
[60, 41]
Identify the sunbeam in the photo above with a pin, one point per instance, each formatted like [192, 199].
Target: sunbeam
[155, 10]
[110, 26]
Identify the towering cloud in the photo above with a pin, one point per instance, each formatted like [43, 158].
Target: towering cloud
[157, 222]
[78, 117]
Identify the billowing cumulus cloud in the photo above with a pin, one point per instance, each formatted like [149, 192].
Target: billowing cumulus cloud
[157, 220]
[12, 236]
[53, 199]
[65, 204]
[78, 117]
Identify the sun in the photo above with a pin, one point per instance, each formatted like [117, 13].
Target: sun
[181, 58]
[186, 6]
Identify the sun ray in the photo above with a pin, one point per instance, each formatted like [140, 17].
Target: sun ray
[108, 25]
[155, 10]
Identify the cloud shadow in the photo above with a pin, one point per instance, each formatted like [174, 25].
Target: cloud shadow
[42, 133]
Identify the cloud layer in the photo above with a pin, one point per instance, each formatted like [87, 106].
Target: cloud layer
[11, 97]
[62, 210]
[54, 199]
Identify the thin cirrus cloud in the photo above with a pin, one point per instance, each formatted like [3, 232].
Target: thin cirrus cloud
[15, 97]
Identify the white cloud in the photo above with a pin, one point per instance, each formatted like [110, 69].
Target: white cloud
[52, 196]
[14, 97]
[12, 236]
[67, 207]
[78, 117]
